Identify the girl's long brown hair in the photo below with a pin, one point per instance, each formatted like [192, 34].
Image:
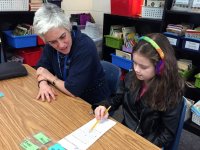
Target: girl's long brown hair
[165, 90]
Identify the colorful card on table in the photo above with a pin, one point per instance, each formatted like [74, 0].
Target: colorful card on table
[28, 145]
[56, 147]
[42, 138]
[1, 94]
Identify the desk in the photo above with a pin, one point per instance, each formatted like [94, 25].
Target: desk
[21, 116]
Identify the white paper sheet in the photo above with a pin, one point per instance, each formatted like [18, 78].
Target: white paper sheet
[82, 138]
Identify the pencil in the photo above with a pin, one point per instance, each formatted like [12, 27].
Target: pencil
[97, 121]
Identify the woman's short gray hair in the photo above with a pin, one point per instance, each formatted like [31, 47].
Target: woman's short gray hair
[50, 16]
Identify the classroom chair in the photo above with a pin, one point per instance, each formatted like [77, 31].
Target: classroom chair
[112, 75]
[175, 143]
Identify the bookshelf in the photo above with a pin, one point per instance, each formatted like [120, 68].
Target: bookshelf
[145, 26]
[8, 21]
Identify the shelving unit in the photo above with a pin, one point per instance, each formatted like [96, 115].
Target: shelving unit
[8, 21]
[145, 26]
[142, 25]
[178, 17]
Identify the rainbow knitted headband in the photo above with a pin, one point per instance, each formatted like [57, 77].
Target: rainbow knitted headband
[160, 64]
[154, 44]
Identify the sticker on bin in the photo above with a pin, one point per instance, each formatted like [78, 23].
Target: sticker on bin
[172, 41]
[173, 38]
[192, 44]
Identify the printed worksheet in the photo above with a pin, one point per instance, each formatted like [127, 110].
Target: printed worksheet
[83, 137]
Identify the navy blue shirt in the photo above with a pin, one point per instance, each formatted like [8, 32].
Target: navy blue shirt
[85, 77]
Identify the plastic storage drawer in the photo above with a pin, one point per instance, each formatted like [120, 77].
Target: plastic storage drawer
[21, 41]
[173, 38]
[30, 55]
[113, 42]
[122, 62]
[14, 5]
[126, 7]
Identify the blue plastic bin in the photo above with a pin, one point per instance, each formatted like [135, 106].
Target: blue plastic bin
[173, 38]
[21, 41]
[191, 44]
[122, 62]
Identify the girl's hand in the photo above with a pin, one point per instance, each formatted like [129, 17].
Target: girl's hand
[100, 113]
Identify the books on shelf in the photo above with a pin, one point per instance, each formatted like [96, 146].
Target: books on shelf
[123, 54]
[36, 1]
[116, 31]
[35, 4]
[129, 34]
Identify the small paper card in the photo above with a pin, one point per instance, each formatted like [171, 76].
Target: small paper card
[1, 94]
[28, 145]
[42, 138]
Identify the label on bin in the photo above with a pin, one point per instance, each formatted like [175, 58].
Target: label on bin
[192, 45]
[172, 41]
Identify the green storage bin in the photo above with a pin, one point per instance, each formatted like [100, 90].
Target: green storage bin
[186, 74]
[197, 81]
[114, 42]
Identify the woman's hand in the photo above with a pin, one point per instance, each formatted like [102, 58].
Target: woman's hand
[45, 73]
[100, 113]
[46, 92]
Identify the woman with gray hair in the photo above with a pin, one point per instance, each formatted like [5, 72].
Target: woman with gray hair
[69, 60]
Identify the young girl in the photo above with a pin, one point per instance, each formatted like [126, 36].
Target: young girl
[151, 95]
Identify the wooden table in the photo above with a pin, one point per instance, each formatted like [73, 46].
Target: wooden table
[22, 116]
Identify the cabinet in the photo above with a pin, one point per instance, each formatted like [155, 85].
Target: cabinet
[144, 26]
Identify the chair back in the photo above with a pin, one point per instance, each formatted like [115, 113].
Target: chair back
[175, 143]
[112, 75]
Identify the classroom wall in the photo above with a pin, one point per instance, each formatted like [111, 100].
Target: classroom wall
[96, 7]
[76, 6]
[99, 7]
